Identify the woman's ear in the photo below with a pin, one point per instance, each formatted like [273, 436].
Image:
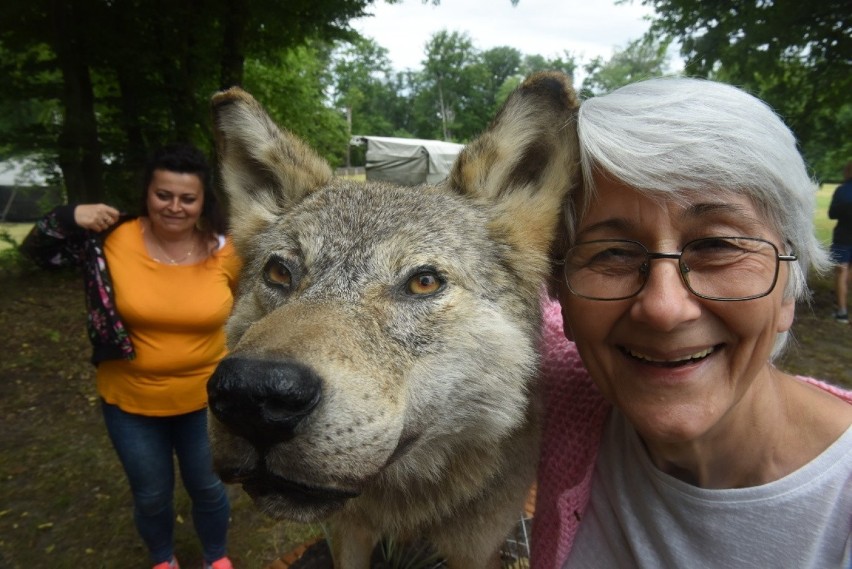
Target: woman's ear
[786, 314]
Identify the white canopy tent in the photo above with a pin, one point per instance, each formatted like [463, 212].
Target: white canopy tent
[26, 192]
[408, 161]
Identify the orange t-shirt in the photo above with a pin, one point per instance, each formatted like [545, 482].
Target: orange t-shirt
[175, 316]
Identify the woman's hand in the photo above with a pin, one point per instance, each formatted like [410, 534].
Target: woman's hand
[95, 217]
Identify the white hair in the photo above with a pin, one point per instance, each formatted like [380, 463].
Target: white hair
[676, 136]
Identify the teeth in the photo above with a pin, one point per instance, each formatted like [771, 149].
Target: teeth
[695, 356]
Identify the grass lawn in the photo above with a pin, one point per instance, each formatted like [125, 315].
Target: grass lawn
[16, 231]
[822, 225]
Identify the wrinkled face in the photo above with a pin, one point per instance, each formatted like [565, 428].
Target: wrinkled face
[174, 200]
[388, 336]
[679, 367]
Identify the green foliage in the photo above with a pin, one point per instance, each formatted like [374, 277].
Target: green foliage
[795, 55]
[447, 80]
[453, 97]
[292, 88]
[460, 87]
[26, 121]
[94, 86]
[641, 59]
[7, 239]
[364, 87]
[566, 63]
[11, 259]
[116, 79]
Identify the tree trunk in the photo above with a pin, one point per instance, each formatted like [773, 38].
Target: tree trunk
[78, 146]
[131, 111]
[131, 86]
[348, 136]
[233, 48]
[444, 129]
[179, 68]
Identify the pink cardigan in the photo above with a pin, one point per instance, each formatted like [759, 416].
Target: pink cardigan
[575, 413]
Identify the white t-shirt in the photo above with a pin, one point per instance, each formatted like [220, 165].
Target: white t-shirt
[649, 519]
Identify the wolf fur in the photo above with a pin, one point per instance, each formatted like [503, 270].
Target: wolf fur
[383, 345]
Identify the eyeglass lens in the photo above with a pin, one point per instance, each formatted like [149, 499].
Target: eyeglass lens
[722, 268]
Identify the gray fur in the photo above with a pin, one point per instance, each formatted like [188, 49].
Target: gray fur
[427, 413]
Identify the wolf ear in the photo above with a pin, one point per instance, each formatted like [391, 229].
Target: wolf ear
[525, 163]
[265, 169]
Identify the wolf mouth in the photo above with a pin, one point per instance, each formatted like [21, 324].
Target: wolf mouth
[299, 494]
[261, 483]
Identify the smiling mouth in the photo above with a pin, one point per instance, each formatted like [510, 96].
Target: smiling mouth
[678, 362]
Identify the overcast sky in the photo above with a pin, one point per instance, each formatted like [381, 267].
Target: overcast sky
[586, 28]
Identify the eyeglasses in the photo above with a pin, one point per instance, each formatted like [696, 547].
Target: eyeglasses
[715, 268]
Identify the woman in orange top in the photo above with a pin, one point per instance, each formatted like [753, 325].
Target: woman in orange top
[159, 289]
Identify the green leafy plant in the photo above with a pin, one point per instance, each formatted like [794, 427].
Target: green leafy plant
[11, 259]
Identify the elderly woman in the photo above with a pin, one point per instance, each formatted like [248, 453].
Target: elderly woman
[671, 439]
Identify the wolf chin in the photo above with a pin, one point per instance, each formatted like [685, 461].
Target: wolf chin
[383, 344]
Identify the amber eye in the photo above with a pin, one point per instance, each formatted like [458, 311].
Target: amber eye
[424, 283]
[276, 273]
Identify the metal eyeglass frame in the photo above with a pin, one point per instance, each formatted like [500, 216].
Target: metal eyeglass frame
[645, 268]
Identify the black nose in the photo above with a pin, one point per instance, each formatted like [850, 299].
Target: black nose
[262, 400]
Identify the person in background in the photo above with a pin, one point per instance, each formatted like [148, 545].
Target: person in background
[670, 437]
[841, 242]
[159, 288]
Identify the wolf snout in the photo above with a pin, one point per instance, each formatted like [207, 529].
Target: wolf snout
[262, 400]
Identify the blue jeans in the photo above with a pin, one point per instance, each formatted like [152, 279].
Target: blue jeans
[145, 446]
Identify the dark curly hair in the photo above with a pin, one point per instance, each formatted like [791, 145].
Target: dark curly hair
[187, 159]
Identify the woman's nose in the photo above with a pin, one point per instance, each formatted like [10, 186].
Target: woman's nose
[665, 302]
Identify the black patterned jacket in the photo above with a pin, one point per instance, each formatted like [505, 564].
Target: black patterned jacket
[57, 241]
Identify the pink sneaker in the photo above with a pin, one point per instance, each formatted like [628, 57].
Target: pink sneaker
[170, 564]
[223, 563]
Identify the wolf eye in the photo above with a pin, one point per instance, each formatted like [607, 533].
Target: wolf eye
[424, 282]
[276, 273]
